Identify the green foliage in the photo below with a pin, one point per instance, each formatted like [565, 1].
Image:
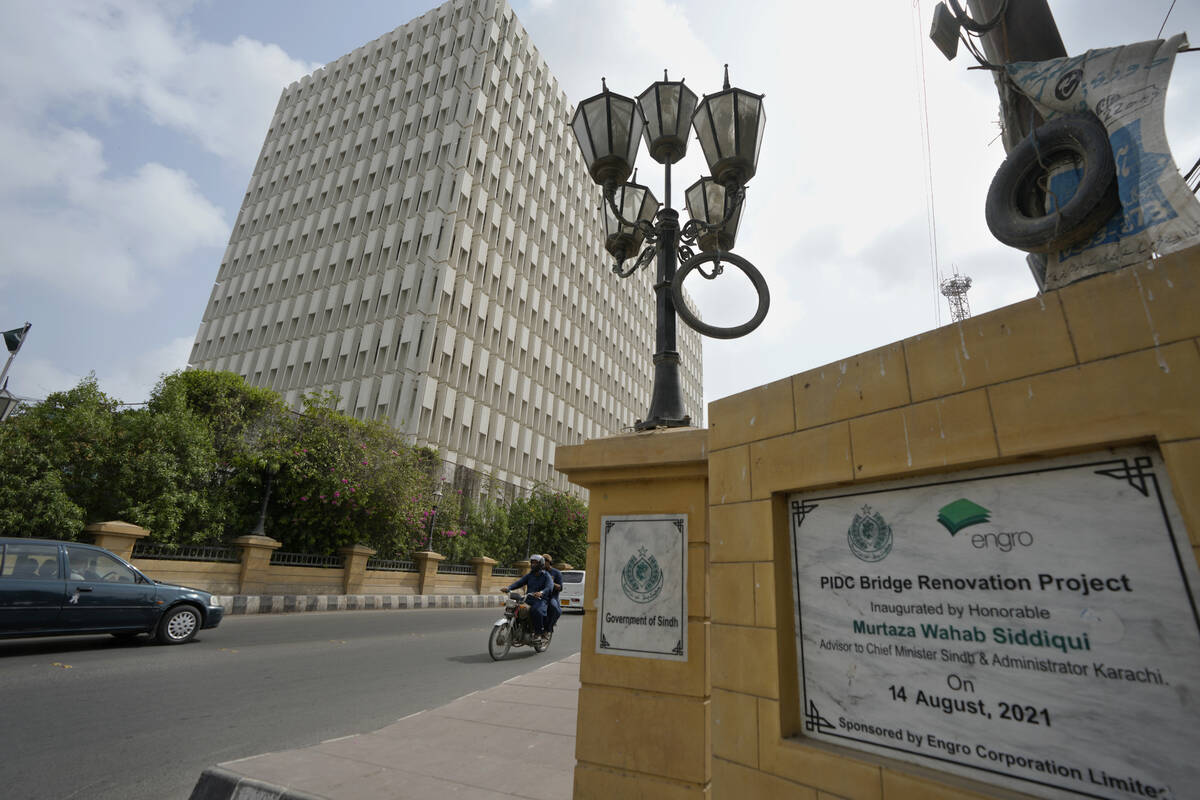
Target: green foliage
[195, 465]
[33, 499]
[343, 482]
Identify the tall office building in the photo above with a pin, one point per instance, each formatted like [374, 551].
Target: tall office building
[421, 237]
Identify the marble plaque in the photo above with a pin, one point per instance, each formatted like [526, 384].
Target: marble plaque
[642, 594]
[1033, 626]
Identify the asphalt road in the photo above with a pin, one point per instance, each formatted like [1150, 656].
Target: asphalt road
[90, 717]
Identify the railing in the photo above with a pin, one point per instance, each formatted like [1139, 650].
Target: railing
[305, 560]
[507, 572]
[186, 553]
[391, 565]
[455, 569]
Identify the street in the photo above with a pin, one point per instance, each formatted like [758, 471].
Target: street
[91, 717]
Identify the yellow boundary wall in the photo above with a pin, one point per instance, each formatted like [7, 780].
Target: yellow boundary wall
[1110, 361]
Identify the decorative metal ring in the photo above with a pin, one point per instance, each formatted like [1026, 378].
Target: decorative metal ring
[714, 331]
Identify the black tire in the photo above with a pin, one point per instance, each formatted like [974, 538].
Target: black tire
[1015, 208]
[178, 625]
[694, 322]
[499, 641]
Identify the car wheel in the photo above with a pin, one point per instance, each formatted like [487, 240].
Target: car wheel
[1015, 208]
[178, 625]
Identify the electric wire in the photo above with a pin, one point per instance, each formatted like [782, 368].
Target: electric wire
[927, 154]
[970, 24]
[1164, 25]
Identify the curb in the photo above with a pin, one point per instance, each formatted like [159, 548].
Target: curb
[216, 783]
[295, 603]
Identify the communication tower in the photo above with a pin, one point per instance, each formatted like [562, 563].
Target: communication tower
[955, 289]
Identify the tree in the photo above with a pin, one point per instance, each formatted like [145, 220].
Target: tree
[33, 500]
[248, 432]
[343, 481]
[194, 466]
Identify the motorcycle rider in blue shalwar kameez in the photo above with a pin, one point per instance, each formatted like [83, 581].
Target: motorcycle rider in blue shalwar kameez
[539, 587]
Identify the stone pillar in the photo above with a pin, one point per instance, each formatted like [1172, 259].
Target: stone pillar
[522, 565]
[645, 724]
[483, 574]
[427, 564]
[117, 537]
[354, 567]
[562, 566]
[256, 562]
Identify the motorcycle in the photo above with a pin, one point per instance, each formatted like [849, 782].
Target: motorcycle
[515, 629]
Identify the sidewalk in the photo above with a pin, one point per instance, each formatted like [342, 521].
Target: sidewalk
[294, 603]
[484, 746]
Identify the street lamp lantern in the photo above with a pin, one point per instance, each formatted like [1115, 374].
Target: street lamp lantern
[8, 402]
[709, 203]
[667, 106]
[608, 128]
[635, 202]
[730, 126]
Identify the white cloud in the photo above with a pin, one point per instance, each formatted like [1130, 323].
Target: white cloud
[87, 55]
[109, 240]
[69, 68]
[129, 379]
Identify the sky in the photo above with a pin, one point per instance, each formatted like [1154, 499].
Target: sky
[129, 131]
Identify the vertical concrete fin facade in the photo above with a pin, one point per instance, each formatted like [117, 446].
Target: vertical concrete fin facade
[420, 236]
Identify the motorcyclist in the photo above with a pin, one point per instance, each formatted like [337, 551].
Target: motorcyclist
[539, 587]
[553, 609]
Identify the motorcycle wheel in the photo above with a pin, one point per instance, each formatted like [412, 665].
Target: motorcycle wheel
[540, 646]
[499, 641]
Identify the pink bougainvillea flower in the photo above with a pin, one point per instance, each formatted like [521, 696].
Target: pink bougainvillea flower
[303, 499]
[345, 480]
[337, 494]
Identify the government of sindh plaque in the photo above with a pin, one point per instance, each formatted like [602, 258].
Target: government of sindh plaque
[643, 586]
[1033, 626]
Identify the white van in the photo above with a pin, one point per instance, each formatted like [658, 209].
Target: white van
[571, 596]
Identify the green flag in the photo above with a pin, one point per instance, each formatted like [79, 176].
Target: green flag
[13, 338]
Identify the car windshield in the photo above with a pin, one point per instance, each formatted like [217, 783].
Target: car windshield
[573, 577]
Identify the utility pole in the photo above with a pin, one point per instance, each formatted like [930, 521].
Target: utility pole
[1027, 32]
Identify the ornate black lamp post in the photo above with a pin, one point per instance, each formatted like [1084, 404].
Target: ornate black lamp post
[437, 498]
[729, 125]
[260, 529]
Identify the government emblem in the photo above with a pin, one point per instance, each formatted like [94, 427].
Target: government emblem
[642, 578]
[870, 537]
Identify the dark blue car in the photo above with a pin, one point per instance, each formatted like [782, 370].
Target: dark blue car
[52, 588]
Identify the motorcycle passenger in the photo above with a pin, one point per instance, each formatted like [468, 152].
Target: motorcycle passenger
[539, 586]
[554, 608]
